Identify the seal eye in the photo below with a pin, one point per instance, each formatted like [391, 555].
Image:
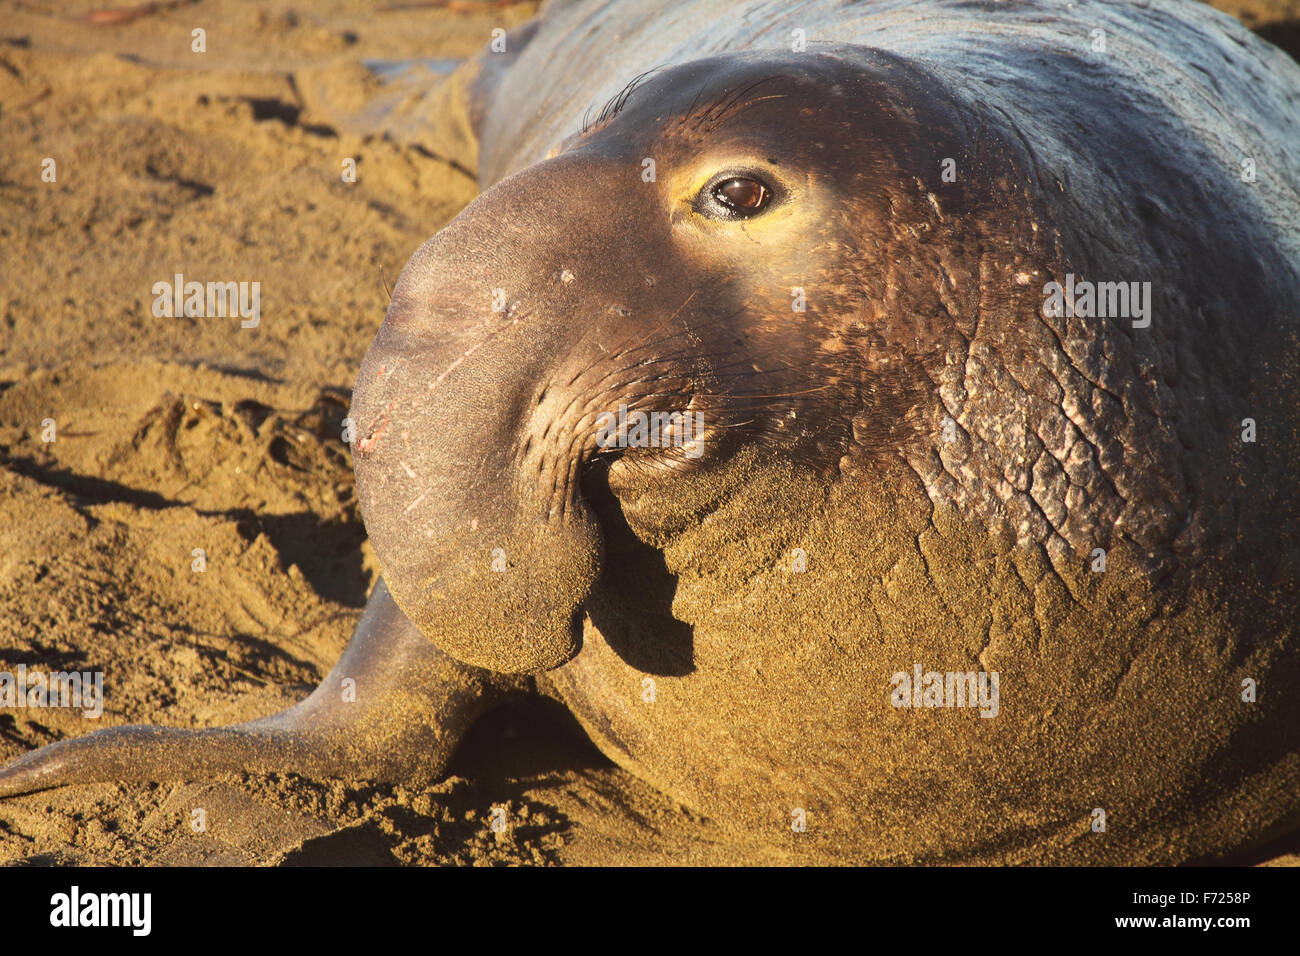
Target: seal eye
[742, 196]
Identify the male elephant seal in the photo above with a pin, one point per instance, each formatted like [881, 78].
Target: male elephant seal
[963, 308]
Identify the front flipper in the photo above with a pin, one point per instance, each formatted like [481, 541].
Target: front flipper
[399, 722]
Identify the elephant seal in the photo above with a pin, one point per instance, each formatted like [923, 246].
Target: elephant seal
[967, 531]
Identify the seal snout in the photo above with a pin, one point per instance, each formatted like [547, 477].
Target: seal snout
[466, 463]
[471, 549]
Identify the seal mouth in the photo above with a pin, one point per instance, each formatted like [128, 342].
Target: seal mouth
[474, 490]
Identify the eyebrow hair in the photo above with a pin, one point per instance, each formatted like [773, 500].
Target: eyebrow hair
[615, 104]
[703, 117]
[709, 115]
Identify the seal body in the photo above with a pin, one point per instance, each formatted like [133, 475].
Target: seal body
[944, 462]
[967, 529]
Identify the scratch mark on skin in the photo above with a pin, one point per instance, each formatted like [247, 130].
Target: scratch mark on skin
[366, 445]
[414, 504]
[472, 349]
[410, 472]
[682, 306]
[391, 372]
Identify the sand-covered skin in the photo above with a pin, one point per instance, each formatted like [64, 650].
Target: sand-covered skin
[176, 434]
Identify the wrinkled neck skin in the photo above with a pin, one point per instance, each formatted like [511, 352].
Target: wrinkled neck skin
[913, 471]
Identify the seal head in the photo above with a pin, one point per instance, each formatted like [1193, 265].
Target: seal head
[656, 264]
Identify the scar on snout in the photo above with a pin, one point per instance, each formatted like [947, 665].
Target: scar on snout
[385, 370]
[471, 350]
[367, 444]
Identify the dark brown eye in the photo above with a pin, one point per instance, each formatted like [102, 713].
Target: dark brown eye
[744, 196]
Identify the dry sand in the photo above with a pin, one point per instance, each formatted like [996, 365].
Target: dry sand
[176, 434]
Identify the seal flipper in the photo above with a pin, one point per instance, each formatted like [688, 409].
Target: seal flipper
[400, 722]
